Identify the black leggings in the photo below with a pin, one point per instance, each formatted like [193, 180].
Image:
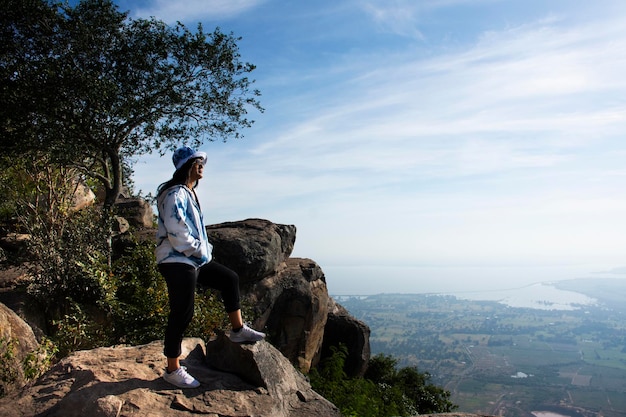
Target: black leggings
[181, 286]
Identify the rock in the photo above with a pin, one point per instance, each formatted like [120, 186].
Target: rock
[12, 277]
[292, 306]
[254, 248]
[17, 340]
[126, 381]
[289, 295]
[342, 328]
[136, 210]
[101, 193]
[262, 365]
[14, 242]
[83, 197]
[120, 225]
[13, 294]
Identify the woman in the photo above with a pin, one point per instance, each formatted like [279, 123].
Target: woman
[183, 254]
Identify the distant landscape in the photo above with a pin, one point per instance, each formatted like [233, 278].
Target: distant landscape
[509, 360]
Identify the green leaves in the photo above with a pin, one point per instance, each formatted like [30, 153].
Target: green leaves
[87, 83]
[383, 391]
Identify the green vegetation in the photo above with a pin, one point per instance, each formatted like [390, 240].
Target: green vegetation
[8, 373]
[32, 367]
[383, 391]
[566, 359]
[131, 306]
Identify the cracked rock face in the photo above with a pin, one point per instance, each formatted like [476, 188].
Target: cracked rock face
[236, 380]
[289, 295]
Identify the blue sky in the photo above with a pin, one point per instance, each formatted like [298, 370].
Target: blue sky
[456, 134]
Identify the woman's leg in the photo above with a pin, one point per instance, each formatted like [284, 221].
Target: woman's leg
[236, 321]
[225, 280]
[181, 286]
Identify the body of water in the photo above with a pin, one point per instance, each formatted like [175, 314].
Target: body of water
[516, 286]
[547, 414]
[542, 296]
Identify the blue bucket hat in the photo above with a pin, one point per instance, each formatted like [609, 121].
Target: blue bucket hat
[184, 154]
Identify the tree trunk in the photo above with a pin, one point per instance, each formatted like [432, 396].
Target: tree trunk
[113, 191]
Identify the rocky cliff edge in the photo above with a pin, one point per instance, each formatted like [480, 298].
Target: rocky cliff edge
[236, 380]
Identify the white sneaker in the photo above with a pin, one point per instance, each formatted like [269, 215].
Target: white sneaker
[246, 335]
[181, 378]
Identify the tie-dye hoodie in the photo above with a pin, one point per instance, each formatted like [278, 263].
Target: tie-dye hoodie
[181, 235]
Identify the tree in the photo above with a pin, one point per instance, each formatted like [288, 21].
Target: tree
[411, 391]
[94, 89]
[383, 391]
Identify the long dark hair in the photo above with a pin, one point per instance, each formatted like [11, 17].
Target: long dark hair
[180, 177]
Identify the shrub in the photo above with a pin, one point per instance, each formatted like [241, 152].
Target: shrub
[139, 307]
[356, 397]
[78, 330]
[36, 363]
[68, 262]
[384, 391]
[410, 389]
[208, 316]
[8, 373]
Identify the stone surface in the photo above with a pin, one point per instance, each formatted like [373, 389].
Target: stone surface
[136, 211]
[14, 242]
[342, 328]
[16, 341]
[83, 197]
[254, 248]
[263, 366]
[12, 277]
[13, 281]
[126, 381]
[120, 225]
[292, 307]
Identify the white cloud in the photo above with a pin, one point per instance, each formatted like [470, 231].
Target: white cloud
[399, 17]
[194, 10]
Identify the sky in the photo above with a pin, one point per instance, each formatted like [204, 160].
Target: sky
[425, 144]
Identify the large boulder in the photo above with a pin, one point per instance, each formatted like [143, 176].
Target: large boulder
[236, 380]
[292, 306]
[136, 211]
[263, 366]
[17, 340]
[83, 197]
[254, 248]
[342, 328]
[13, 294]
[289, 295]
